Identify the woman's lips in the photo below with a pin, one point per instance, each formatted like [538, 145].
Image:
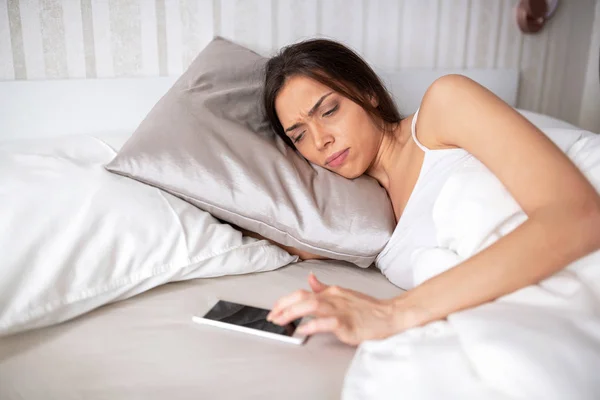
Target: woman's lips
[336, 162]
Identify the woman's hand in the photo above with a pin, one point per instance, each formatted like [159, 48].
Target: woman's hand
[351, 316]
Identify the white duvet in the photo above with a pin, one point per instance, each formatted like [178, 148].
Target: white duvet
[540, 342]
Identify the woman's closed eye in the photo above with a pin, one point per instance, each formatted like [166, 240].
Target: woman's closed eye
[331, 111]
[298, 138]
[325, 114]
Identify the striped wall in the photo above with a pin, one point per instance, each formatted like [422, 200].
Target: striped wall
[47, 39]
[589, 115]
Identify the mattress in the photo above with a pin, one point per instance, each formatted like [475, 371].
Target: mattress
[147, 347]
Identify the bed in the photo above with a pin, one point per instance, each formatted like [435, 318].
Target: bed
[146, 346]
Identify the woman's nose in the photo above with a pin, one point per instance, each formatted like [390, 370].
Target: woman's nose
[323, 138]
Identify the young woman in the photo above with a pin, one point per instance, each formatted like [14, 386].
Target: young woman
[326, 102]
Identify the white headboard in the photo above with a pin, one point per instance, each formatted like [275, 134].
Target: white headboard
[409, 86]
[98, 106]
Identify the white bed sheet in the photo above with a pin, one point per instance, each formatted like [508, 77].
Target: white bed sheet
[147, 347]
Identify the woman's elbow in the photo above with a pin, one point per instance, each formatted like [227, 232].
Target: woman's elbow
[304, 255]
[589, 224]
[594, 217]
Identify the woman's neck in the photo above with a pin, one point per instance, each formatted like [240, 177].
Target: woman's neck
[386, 162]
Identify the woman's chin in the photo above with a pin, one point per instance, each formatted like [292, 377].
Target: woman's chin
[345, 171]
[348, 173]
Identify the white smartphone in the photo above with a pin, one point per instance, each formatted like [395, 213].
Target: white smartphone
[248, 319]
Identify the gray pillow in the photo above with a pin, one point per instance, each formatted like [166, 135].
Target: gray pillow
[208, 142]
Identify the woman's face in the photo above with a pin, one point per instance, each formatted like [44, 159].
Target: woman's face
[327, 128]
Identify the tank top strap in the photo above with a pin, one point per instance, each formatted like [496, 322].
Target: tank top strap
[414, 132]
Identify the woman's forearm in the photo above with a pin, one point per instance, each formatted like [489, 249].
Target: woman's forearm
[541, 246]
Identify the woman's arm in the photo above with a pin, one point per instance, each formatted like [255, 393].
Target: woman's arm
[563, 208]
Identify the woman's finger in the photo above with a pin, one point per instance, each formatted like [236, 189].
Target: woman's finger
[310, 306]
[319, 325]
[287, 301]
[316, 285]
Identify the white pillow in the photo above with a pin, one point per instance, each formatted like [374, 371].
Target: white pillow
[543, 121]
[75, 237]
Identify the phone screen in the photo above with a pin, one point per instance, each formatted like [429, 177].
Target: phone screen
[248, 317]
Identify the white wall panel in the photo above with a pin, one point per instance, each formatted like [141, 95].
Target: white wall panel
[342, 20]
[453, 33]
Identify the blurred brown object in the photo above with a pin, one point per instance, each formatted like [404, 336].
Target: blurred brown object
[533, 14]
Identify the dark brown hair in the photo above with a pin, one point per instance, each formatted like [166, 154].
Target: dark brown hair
[334, 65]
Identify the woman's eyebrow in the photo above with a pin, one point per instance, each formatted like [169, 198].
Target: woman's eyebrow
[317, 104]
[310, 112]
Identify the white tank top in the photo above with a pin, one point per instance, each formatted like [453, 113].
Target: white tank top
[415, 229]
